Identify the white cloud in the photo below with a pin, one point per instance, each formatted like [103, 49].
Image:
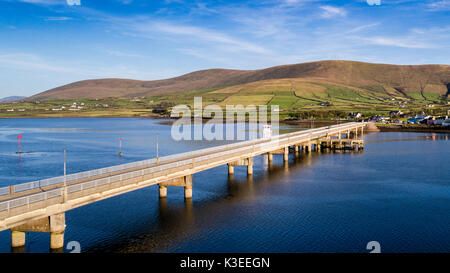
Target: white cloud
[73, 2]
[173, 1]
[374, 2]
[54, 2]
[330, 11]
[397, 42]
[443, 5]
[290, 2]
[205, 55]
[61, 18]
[44, 2]
[363, 27]
[118, 53]
[29, 62]
[35, 63]
[203, 34]
[202, 8]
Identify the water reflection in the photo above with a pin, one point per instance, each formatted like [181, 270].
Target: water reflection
[404, 137]
[177, 222]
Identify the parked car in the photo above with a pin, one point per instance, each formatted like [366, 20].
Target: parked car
[414, 120]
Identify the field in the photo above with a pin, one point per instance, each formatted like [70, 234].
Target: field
[294, 97]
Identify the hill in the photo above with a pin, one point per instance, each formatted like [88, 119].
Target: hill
[12, 98]
[372, 80]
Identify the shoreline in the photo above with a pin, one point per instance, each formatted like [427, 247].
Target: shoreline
[310, 123]
[169, 121]
[414, 129]
[105, 116]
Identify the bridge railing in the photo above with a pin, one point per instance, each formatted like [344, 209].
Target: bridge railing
[227, 149]
[4, 191]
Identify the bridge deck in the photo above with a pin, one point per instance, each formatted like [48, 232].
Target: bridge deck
[15, 195]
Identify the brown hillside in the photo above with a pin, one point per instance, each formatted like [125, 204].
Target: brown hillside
[389, 78]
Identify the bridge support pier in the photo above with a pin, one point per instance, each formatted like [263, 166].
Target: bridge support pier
[230, 168]
[56, 240]
[250, 166]
[308, 147]
[57, 227]
[270, 157]
[317, 146]
[55, 224]
[17, 238]
[185, 181]
[243, 162]
[188, 183]
[162, 191]
[286, 154]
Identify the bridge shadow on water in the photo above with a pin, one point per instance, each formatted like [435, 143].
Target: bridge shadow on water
[176, 222]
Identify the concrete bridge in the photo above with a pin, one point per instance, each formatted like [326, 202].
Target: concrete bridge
[40, 206]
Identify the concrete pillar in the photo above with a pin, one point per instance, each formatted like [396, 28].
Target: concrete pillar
[339, 135]
[17, 238]
[250, 166]
[270, 157]
[230, 169]
[162, 191]
[296, 148]
[348, 134]
[57, 227]
[286, 154]
[188, 186]
[56, 240]
[55, 224]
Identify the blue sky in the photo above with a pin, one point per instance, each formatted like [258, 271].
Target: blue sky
[48, 43]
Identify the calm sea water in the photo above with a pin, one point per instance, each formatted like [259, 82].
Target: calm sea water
[396, 192]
